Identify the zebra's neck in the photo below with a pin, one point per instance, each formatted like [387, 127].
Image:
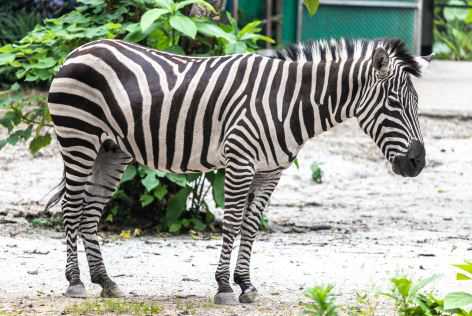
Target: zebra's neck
[329, 93]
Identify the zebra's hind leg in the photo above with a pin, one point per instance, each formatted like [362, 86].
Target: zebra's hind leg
[106, 174]
[263, 186]
[238, 179]
[77, 168]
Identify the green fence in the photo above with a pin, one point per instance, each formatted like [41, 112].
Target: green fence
[355, 19]
[344, 18]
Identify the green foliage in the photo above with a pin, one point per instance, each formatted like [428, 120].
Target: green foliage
[364, 306]
[163, 27]
[26, 118]
[316, 172]
[453, 31]
[410, 300]
[174, 203]
[14, 24]
[322, 302]
[39, 55]
[460, 302]
[157, 24]
[312, 6]
[113, 307]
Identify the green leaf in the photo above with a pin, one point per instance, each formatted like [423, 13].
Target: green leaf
[129, 174]
[252, 27]
[184, 25]
[193, 176]
[44, 63]
[158, 39]
[218, 189]
[179, 179]
[6, 58]
[462, 277]
[160, 192]
[316, 172]
[455, 13]
[146, 199]
[256, 37]
[176, 50]
[177, 205]
[312, 6]
[20, 135]
[213, 30]
[39, 142]
[175, 227]
[150, 17]
[457, 300]
[150, 182]
[11, 119]
[467, 266]
[402, 285]
[236, 48]
[422, 284]
[198, 225]
[164, 4]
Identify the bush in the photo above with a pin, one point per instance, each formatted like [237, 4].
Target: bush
[453, 31]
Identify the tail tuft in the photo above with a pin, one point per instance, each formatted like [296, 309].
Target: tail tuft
[57, 193]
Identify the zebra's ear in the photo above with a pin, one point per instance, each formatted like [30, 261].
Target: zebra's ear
[424, 61]
[380, 60]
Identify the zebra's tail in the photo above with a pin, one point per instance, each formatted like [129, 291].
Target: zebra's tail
[56, 193]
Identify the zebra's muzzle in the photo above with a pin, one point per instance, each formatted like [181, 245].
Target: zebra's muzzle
[411, 164]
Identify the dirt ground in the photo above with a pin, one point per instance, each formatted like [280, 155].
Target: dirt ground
[359, 228]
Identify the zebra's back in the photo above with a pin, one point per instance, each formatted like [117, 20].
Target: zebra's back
[169, 112]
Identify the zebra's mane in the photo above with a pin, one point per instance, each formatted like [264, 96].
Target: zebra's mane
[342, 49]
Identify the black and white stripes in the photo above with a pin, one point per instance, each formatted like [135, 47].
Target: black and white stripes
[113, 102]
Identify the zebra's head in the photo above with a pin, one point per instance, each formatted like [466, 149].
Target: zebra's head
[388, 111]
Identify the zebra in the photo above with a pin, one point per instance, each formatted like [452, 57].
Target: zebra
[114, 102]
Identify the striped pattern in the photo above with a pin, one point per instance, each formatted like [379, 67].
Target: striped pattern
[113, 102]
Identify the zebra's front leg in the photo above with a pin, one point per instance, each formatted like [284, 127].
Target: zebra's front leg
[238, 179]
[263, 186]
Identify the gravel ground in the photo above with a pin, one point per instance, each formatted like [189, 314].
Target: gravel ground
[359, 228]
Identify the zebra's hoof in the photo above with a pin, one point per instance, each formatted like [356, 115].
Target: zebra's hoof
[248, 296]
[225, 298]
[112, 292]
[76, 290]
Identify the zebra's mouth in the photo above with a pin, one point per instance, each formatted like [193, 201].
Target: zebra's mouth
[411, 164]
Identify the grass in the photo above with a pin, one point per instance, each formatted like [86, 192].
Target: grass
[113, 307]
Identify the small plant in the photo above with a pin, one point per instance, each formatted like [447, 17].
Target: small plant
[460, 302]
[26, 118]
[316, 172]
[411, 301]
[323, 301]
[364, 306]
[174, 202]
[113, 307]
